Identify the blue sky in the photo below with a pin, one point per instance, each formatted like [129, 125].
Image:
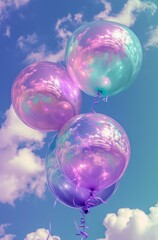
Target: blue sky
[35, 30]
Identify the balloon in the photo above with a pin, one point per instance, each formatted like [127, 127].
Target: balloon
[93, 151]
[66, 191]
[44, 97]
[103, 57]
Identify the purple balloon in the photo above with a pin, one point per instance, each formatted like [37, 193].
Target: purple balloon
[93, 151]
[44, 96]
[66, 191]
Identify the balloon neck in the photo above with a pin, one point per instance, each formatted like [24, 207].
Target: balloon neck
[96, 100]
[87, 206]
[86, 209]
[100, 96]
[92, 192]
[99, 93]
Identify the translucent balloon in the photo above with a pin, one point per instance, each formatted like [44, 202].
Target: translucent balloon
[93, 150]
[44, 97]
[103, 57]
[66, 191]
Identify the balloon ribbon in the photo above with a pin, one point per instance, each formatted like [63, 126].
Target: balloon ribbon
[97, 99]
[49, 232]
[82, 227]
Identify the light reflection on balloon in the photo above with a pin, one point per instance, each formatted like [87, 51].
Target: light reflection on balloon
[44, 96]
[66, 191]
[103, 57]
[93, 150]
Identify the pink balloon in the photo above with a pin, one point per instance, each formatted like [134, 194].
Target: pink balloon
[93, 151]
[44, 96]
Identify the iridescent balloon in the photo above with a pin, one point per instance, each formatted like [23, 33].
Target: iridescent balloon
[93, 151]
[103, 57]
[66, 191]
[44, 96]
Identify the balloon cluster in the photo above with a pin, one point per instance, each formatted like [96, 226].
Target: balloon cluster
[91, 151]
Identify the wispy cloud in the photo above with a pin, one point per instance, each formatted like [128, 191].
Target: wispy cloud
[132, 224]
[25, 42]
[7, 31]
[8, 6]
[2, 228]
[153, 38]
[41, 234]
[22, 170]
[62, 28]
[63, 32]
[129, 13]
[3, 234]
[42, 54]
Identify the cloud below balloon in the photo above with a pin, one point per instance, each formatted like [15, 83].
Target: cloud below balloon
[132, 224]
[42, 234]
[3, 234]
[22, 169]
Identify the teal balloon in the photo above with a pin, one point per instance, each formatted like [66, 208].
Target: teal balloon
[103, 58]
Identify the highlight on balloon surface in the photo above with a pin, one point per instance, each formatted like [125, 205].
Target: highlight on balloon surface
[93, 151]
[103, 57]
[44, 96]
[66, 191]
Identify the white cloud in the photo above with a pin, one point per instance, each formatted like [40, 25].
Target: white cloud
[62, 26]
[153, 38]
[22, 170]
[6, 6]
[3, 235]
[2, 228]
[25, 42]
[63, 33]
[129, 13]
[78, 17]
[132, 224]
[41, 234]
[8, 237]
[7, 31]
[42, 54]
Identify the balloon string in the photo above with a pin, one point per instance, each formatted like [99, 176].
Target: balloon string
[93, 197]
[99, 198]
[75, 203]
[97, 99]
[106, 99]
[49, 233]
[82, 227]
[95, 102]
[55, 202]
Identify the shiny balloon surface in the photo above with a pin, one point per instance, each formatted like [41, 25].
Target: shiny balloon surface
[44, 96]
[93, 151]
[66, 191]
[103, 57]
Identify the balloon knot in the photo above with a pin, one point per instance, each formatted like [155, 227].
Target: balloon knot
[97, 99]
